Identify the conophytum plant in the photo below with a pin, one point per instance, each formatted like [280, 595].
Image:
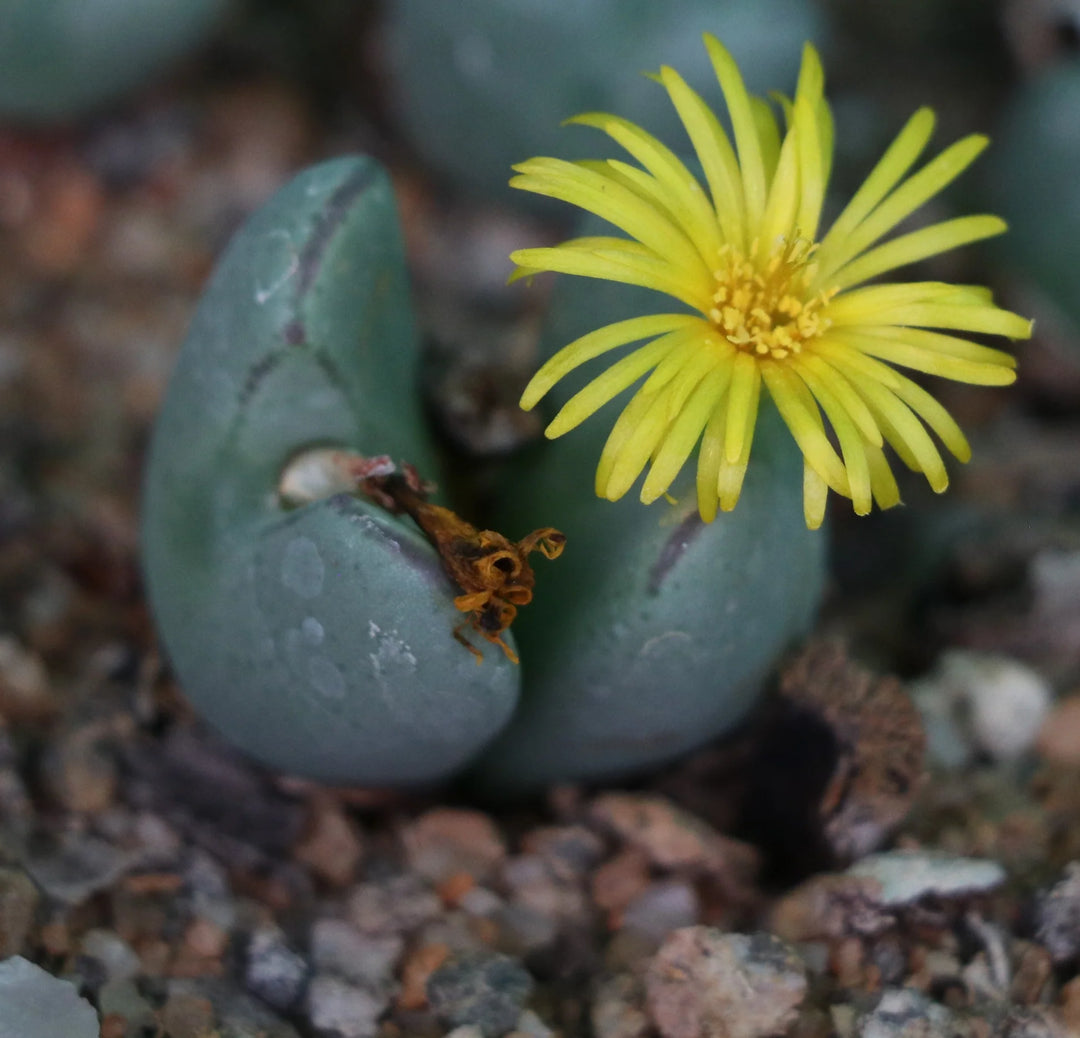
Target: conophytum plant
[319, 638]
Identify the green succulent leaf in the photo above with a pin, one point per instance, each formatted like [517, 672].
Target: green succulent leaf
[320, 639]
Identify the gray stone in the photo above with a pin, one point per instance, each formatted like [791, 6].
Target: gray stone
[663, 907]
[116, 956]
[365, 959]
[487, 991]
[906, 876]
[704, 983]
[397, 906]
[617, 1010]
[274, 971]
[1057, 917]
[523, 929]
[529, 1025]
[26, 989]
[122, 997]
[239, 1015]
[343, 1010]
[904, 1013]
[78, 868]
[18, 902]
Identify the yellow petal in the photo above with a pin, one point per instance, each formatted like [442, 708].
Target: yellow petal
[684, 433]
[947, 345]
[680, 190]
[778, 219]
[918, 245]
[609, 384]
[811, 183]
[805, 424]
[852, 445]
[621, 432]
[709, 457]
[917, 189]
[594, 191]
[899, 157]
[633, 452]
[901, 428]
[713, 148]
[815, 497]
[744, 125]
[628, 266]
[768, 135]
[932, 362]
[842, 389]
[925, 304]
[595, 344]
[743, 399]
[882, 481]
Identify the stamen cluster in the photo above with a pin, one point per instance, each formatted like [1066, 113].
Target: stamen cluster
[762, 308]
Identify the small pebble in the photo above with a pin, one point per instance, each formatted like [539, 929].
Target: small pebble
[116, 956]
[620, 880]
[337, 947]
[529, 1025]
[828, 907]
[187, 1016]
[339, 1009]
[995, 703]
[25, 695]
[446, 841]
[121, 998]
[331, 846]
[663, 907]
[25, 989]
[419, 965]
[1057, 917]
[905, 1013]
[78, 867]
[397, 906]
[1059, 737]
[617, 1010]
[669, 837]
[908, 875]
[523, 929]
[487, 991]
[569, 851]
[273, 971]
[707, 984]
[80, 774]
[18, 903]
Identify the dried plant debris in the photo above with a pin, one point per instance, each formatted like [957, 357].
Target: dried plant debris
[493, 572]
[839, 763]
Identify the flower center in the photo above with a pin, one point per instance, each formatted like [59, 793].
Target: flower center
[762, 303]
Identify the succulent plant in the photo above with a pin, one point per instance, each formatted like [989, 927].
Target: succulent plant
[1033, 173]
[316, 638]
[65, 57]
[319, 638]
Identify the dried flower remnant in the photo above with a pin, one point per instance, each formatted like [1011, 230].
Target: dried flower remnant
[778, 308]
[492, 571]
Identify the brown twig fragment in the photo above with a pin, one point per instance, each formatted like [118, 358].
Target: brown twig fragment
[493, 572]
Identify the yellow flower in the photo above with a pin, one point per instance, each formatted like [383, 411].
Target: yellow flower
[774, 304]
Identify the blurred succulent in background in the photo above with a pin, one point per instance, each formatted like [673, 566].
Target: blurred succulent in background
[776, 306]
[1033, 174]
[517, 68]
[62, 58]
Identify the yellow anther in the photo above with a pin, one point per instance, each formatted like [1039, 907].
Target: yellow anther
[762, 306]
